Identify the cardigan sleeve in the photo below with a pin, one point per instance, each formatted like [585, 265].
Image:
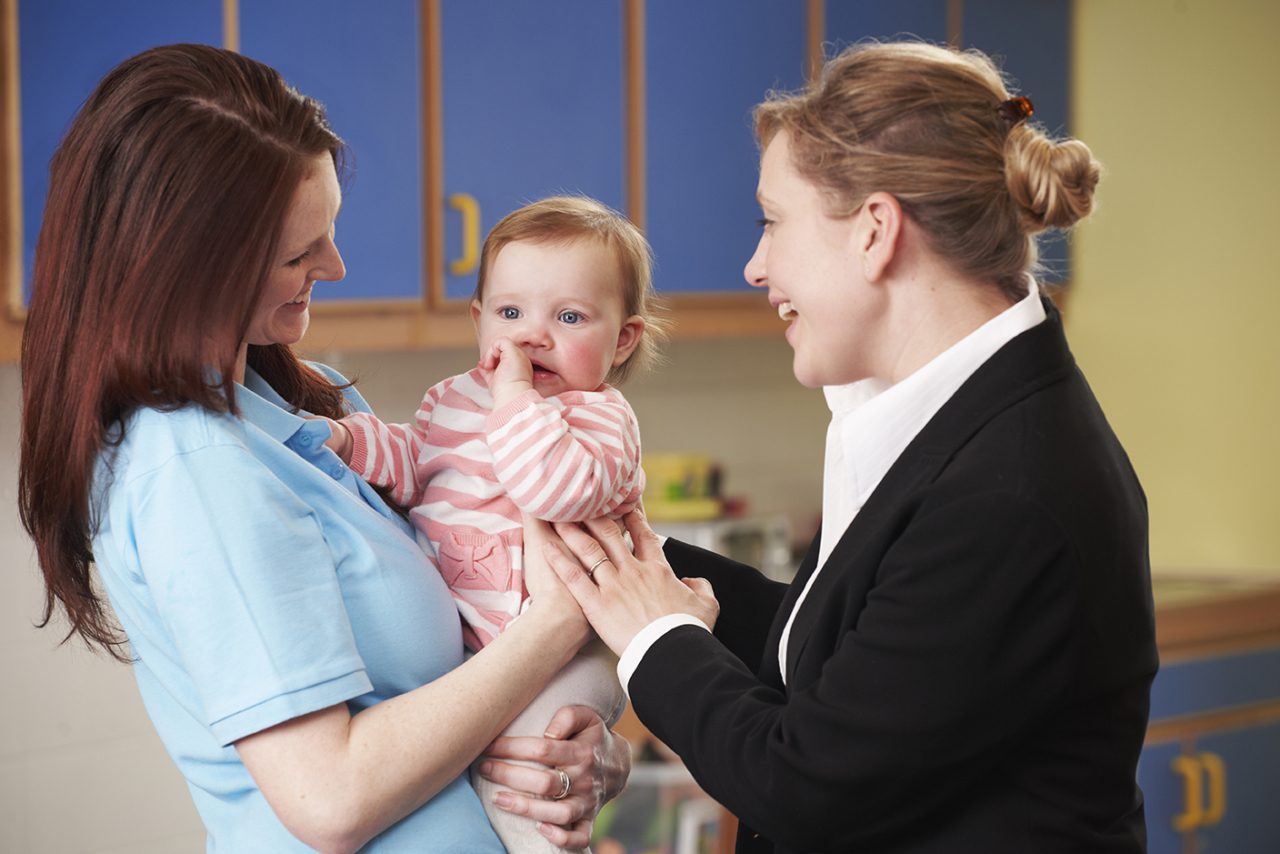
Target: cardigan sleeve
[387, 455]
[568, 458]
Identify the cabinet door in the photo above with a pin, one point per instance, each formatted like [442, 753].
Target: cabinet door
[851, 21]
[1164, 794]
[706, 65]
[532, 106]
[1031, 40]
[361, 60]
[64, 48]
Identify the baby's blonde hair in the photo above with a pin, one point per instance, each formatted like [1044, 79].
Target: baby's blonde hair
[567, 219]
[921, 123]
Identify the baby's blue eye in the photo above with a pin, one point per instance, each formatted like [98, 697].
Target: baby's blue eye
[509, 313]
[570, 317]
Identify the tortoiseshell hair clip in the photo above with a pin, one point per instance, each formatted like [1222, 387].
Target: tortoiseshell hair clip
[1016, 109]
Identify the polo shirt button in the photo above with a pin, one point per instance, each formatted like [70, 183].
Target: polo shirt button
[337, 472]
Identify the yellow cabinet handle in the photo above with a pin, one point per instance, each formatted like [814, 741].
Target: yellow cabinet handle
[1192, 793]
[1195, 769]
[466, 205]
[1216, 770]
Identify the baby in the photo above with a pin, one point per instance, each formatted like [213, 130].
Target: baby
[562, 307]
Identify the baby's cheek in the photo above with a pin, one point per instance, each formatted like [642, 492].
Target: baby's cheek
[590, 361]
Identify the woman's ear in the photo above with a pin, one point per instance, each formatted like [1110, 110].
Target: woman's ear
[628, 338]
[878, 239]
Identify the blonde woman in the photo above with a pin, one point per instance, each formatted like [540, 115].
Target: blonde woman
[964, 659]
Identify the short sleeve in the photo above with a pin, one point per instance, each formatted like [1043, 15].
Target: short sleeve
[247, 589]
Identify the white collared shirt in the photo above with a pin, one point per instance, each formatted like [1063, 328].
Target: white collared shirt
[872, 422]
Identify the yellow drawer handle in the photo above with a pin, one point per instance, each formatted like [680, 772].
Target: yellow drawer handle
[1195, 770]
[470, 209]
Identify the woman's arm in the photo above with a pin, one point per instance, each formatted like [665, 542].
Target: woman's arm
[966, 643]
[386, 455]
[336, 780]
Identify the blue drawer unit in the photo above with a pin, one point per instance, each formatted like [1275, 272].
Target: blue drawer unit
[1211, 767]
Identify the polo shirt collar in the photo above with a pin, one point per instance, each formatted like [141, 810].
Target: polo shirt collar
[263, 407]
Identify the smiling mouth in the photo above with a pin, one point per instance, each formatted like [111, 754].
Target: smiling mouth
[786, 311]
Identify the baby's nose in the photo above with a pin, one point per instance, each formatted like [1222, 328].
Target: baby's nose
[533, 334]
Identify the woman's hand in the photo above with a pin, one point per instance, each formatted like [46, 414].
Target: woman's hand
[576, 742]
[546, 592]
[621, 592]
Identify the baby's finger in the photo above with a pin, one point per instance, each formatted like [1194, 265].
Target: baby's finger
[646, 541]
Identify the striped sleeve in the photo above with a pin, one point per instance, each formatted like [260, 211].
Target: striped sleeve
[570, 457]
[386, 455]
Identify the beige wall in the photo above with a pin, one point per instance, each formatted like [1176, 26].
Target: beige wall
[1171, 317]
[1175, 313]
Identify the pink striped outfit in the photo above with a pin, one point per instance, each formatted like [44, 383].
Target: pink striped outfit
[467, 472]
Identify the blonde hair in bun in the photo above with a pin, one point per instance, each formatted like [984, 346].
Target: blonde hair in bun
[925, 123]
[1053, 182]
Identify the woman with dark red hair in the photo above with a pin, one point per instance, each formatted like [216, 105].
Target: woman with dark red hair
[300, 662]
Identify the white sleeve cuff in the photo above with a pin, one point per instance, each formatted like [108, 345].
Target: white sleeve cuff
[645, 638]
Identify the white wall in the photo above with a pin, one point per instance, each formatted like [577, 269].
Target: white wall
[81, 769]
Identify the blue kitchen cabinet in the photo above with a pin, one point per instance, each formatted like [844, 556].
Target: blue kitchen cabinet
[458, 112]
[1211, 766]
[533, 105]
[64, 48]
[849, 22]
[1031, 38]
[363, 62]
[706, 65]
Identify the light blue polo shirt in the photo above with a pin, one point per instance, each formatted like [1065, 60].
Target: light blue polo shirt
[258, 579]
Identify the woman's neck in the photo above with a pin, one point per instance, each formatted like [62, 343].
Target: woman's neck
[931, 310]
